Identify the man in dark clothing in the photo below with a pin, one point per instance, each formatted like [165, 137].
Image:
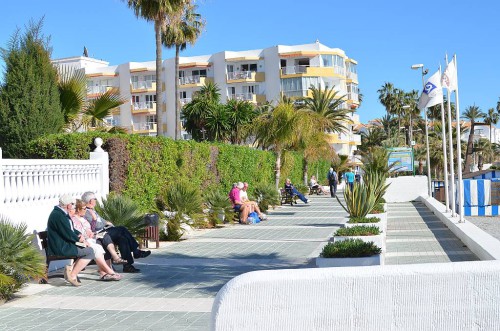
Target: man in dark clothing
[127, 245]
[332, 182]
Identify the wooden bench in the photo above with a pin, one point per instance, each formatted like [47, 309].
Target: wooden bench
[151, 231]
[49, 258]
[287, 197]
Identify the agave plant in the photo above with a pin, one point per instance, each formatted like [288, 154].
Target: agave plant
[376, 184]
[266, 195]
[359, 201]
[185, 202]
[121, 210]
[19, 260]
[219, 204]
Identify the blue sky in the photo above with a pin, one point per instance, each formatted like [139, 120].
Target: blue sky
[385, 37]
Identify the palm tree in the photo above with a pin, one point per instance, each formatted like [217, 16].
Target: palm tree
[162, 13]
[387, 96]
[491, 118]
[186, 30]
[79, 112]
[217, 123]
[194, 113]
[485, 151]
[471, 113]
[372, 137]
[326, 105]
[277, 131]
[241, 114]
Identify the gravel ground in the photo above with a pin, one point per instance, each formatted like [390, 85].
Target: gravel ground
[490, 224]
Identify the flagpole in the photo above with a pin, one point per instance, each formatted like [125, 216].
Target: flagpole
[459, 150]
[445, 156]
[450, 139]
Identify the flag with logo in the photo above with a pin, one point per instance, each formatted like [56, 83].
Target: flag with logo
[449, 78]
[432, 93]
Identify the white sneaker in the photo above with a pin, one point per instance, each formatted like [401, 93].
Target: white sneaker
[308, 201]
[263, 217]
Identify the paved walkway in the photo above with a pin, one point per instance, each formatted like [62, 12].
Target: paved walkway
[179, 281]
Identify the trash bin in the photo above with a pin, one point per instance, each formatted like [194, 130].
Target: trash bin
[151, 220]
[439, 194]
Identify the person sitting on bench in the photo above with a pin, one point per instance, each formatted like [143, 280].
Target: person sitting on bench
[253, 204]
[313, 183]
[238, 205]
[293, 191]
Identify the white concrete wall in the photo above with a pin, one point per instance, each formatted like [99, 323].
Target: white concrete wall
[485, 246]
[406, 188]
[445, 296]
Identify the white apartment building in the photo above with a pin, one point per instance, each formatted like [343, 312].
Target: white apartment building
[257, 76]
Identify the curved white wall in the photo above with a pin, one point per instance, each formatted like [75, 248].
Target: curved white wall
[406, 188]
[445, 296]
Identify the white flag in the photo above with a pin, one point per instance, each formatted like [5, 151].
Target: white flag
[432, 93]
[449, 78]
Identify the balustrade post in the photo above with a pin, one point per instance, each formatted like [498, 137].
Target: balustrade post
[103, 157]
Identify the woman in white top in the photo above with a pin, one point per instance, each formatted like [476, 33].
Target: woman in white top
[252, 204]
[313, 183]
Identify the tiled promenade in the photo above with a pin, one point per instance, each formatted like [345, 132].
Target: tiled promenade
[178, 282]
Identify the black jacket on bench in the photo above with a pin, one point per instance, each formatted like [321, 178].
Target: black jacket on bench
[61, 238]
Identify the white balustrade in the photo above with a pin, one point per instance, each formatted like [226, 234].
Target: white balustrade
[29, 189]
[239, 75]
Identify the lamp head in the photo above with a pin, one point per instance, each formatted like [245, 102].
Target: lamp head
[417, 66]
[425, 72]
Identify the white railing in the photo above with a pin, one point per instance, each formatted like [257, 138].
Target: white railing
[297, 93]
[185, 101]
[97, 89]
[145, 84]
[29, 189]
[189, 80]
[242, 96]
[339, 70]
[144, 105]
[353, 96]
[145, 126]
[294, 70]
[352, 75]
[239, 75]
[355, 138]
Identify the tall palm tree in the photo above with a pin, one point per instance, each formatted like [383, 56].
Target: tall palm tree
[491, 118]
[471, 113]
[277, 131]
[327, 107]
[185, 30]
[162, 13]
[194, 113]
[241, 114]
[387, 97]
[372, 137]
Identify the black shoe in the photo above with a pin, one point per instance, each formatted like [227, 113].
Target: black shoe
[141, 254]
[128, 268]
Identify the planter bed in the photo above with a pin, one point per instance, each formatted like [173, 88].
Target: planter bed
[322, 262]
[379, 240]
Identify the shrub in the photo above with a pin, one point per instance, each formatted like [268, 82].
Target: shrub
[359, 201]
[218, 203]
[266, 195]
[360, 230]
[378, 209]
[123, 211]
[363, 220]
[350, 248]
[19, 260]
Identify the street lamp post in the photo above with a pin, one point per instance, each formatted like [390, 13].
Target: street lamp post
[424, 72]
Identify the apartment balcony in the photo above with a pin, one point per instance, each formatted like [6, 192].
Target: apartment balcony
[245, 76]
[144, 127]
[193, 81]
[352, 76]
[94, 90]
[143, 86]
[306, 70]
[297, 93]
[355, 139]
[185, 101]
[250, 97]
[144, 107]
[353, 97]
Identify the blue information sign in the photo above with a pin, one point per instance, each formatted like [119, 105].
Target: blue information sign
[402, 157]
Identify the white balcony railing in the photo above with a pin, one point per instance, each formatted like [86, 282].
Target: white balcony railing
[239, 75]
[97, 89]
[352, 75]
[353, 96]
[190, 80]
[339, 70]
[185, 101]
[145, 126]
[294, 70]
[294, 94]
[144, 105]
[355, 138]
[145, 84]
[242, 96]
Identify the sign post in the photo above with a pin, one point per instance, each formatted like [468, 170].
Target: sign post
[402, 158]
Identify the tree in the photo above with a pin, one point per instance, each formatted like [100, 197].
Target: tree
[387, 97]
[277, 131]
[194, 113]
[241, 114]
[471, 113]
[184, 30]
[162, 13]
[29, 98]
[491, 118]
[372, 137]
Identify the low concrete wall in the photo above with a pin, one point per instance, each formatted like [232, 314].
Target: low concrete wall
[445, 296]
[484, 245]
[406, 188]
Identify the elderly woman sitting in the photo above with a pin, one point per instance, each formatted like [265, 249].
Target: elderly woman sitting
[238, 205]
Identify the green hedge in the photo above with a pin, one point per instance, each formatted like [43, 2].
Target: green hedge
[142, 167]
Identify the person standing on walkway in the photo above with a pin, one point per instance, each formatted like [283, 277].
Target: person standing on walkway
[333, 179]
[349, 178]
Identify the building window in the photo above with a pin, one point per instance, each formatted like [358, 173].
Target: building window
[249, 67]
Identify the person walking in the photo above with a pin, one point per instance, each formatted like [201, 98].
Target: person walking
[333, 179]
[349, 178]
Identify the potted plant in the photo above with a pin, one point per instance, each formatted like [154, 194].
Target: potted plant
[367, 220]
[366, 233]
[350, 252]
